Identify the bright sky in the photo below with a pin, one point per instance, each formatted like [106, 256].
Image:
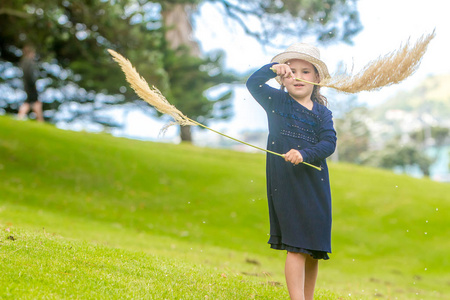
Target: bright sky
[387, 23]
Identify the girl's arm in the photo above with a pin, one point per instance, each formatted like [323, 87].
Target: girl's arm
[327, 141]
[256, 85]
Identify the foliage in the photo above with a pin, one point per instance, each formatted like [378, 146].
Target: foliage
[77, 78]
[193, 79]
[407, 155]
[403, 129]
[439, 135]
[397, 153]
[353, 135]
[71, 38]
[189, 86]
[429, 99]
[285, 20]
[130, 210]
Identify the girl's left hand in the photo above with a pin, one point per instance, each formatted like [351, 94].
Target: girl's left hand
[283, 70]
[293, 156]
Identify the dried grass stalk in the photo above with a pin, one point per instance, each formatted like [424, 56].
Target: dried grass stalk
[154, 97]
[389, 69]
[150, 94]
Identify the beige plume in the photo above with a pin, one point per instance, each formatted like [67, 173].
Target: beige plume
[150, 94]
[389, 69]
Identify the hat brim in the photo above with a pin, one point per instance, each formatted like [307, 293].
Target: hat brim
[286, 56]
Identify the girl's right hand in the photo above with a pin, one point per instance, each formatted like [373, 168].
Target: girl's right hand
[283, 70]
[294, 156]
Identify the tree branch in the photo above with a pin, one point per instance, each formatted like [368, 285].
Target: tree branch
[12, 12]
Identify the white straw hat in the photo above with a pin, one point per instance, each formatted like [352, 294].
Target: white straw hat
[305, 52]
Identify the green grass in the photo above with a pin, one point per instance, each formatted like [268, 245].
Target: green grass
[54, 267]
[96, 216]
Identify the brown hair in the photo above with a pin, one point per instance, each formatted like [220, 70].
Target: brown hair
[318, 97]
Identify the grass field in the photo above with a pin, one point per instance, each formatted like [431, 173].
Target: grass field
[90, 216]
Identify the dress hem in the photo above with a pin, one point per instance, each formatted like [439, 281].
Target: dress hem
[316, 254]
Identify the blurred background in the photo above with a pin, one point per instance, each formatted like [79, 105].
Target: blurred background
[199, 54]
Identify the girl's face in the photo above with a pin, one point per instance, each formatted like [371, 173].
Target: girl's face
[300, 90]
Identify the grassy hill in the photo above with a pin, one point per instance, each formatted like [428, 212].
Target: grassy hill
[91, 216]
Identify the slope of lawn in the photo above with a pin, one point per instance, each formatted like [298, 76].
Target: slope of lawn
[192, 223]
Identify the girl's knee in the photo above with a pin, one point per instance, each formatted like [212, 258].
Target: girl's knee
[298, 255]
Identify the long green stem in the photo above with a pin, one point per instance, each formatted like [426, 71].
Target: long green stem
[310, 82]
[298, 79]
[242, 142]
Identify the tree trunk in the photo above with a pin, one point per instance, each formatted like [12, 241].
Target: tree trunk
[179, 32]
[185, 134]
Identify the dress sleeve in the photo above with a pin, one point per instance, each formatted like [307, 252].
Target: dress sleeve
[260, 90]
[327, 141]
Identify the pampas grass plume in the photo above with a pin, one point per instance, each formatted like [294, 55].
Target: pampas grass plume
[389, 69]
[150, 94]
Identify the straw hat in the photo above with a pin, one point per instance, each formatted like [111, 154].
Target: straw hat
[305, 52]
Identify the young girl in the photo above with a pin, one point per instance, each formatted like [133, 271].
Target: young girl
[301, 128]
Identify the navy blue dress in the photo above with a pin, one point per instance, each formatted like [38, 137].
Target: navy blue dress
[299, 196]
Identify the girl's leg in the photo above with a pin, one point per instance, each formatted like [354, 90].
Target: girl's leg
[295, 275]
[311, 270]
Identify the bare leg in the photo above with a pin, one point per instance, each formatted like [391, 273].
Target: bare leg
[295, 275]
[311, 270]
[23, 110]
[37, 108]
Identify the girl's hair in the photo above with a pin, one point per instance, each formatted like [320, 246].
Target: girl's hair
[316, 96]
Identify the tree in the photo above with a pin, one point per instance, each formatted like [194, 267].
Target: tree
[71, 37]
[350, 119]
[78, 78]
[188, 86]
[354, 135]
[282, 20]
[395, 155]
[435, 135]
[329, 20]
[192, 74]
